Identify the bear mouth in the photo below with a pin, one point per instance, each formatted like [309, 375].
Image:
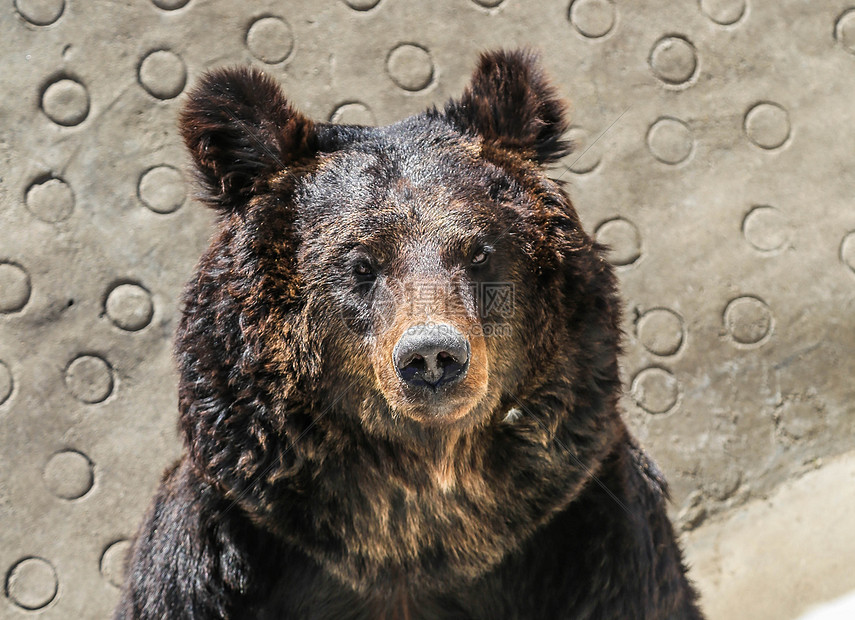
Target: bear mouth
[442, 404]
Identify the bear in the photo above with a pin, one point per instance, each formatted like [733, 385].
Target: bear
[399, 376]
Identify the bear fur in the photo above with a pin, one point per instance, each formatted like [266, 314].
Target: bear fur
[318, 482]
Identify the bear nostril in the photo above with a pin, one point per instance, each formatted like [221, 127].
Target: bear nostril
[444, 358]
[413, 368]
[431, 356]
[447, 361]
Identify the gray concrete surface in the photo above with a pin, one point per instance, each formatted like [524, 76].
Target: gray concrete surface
[715, 157]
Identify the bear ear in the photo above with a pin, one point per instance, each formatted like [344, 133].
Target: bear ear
[239, 129]
[511, 103]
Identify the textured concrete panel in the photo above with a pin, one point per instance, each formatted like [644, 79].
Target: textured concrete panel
[715, 156]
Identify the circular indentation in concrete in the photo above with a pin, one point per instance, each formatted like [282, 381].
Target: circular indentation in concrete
[353, 113]
[748, 320]
[847, 251]
[14, 287]
[68, 474]
[40, 12]
[655, 390]
[623, 240]
[113, 562]
[674, 60]
[592, 18]
[661, 331]
[410, 66]
[584, 157]
[89, 378]
[270, 39]
[362, 5]
[31, 583]
[161, 189]
[723, 12]
[6, 383]
[66, 102]
[170, 5]
[50, 200]
[670, 141]
[767, 125]
[844, 30]
[725, 484]
[766, 229]
[129, 306]
[488, 4]
[163, 74]
[799, 417]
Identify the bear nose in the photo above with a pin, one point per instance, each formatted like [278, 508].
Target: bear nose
[431, 355]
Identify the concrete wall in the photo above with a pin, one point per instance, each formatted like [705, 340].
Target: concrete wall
[715, 157]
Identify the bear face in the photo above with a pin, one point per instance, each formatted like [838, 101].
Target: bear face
[405, 235]
[347, 376]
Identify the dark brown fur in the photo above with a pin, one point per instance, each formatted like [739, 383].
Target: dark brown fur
[315, 483]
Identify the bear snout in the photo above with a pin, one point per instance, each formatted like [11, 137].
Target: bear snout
[431, 356]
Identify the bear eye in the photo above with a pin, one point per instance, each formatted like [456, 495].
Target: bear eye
[363, 271]
[482, 256]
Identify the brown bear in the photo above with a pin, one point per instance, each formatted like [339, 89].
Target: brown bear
[399, 377]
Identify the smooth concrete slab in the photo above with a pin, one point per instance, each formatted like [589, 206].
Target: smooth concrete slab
[775, 558]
